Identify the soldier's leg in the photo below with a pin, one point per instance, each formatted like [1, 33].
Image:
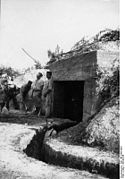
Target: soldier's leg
[22, 106]
[47, 113]
[16, 105]
[7, 102]
[37, 101]
[2, 105]
[40, 111]
[37, 110]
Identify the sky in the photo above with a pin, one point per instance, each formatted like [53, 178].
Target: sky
[39, 25]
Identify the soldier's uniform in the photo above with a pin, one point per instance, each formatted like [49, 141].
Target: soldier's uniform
[48, 86]
[23, 95]
[12, 92]
[37, 88]
[3, 92]
[2, 97]
[9, 93]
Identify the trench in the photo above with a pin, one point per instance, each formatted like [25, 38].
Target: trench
[38, 149]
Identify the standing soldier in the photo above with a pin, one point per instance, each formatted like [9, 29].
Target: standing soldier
[47, 94]
[37, 88]
[4, 92]
[12, 92]
[23, 94]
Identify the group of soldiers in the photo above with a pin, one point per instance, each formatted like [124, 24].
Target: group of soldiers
[38, 91]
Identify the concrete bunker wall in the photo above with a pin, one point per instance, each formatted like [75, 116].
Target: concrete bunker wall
[78, 70]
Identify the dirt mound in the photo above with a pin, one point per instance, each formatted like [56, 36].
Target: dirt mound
[102, 131]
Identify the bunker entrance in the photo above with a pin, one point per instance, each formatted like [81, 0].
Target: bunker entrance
[68, 99]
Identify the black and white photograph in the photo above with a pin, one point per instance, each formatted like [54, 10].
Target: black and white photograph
[60, 90]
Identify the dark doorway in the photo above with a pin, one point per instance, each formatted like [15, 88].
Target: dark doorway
[68, 99]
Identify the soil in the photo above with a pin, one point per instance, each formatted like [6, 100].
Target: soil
[16, 132]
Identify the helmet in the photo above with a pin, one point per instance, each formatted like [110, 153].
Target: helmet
[39, 74]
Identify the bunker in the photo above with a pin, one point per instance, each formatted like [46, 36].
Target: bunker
[74, 83]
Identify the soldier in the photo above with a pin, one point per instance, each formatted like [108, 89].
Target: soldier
[3, 92]
[47, 94]
[23, 93]
[37, 88]
[11, 94]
